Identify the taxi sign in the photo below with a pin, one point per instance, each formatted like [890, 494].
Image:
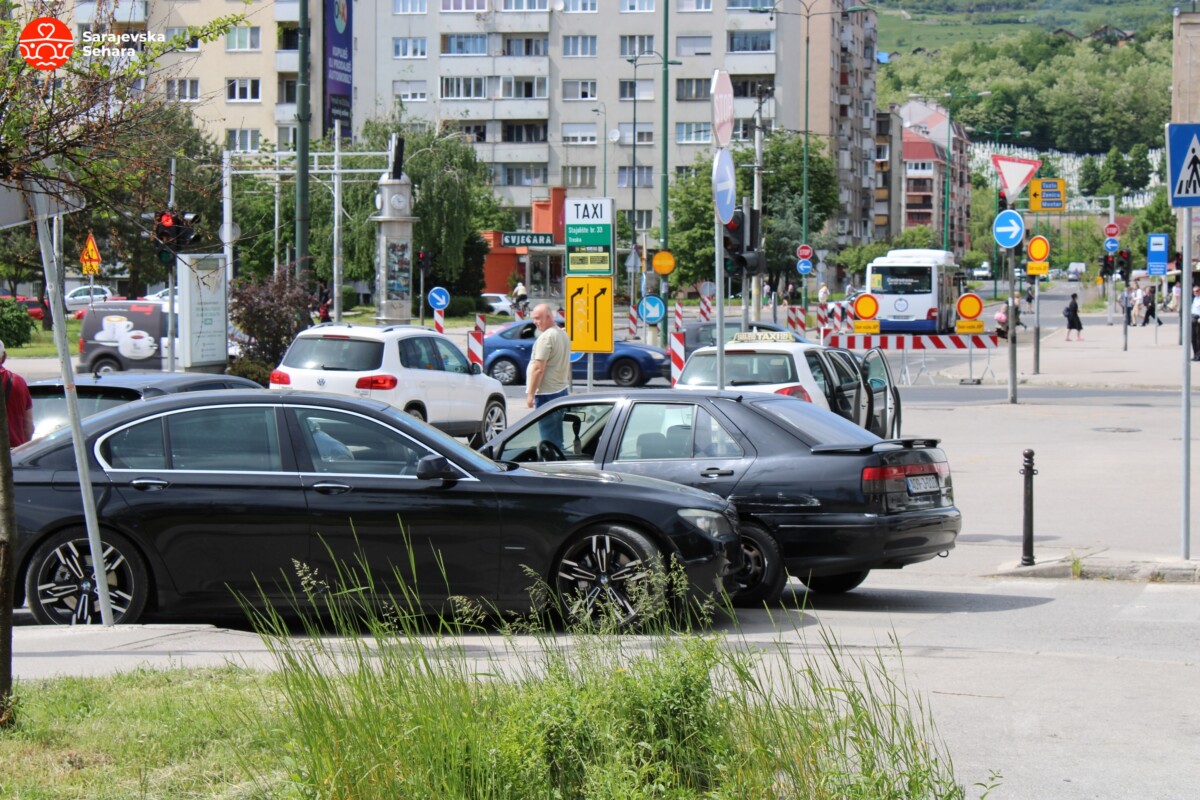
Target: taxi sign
[1038, 248]
[1038, 268]
[968, 326]
[865, 307]
[970, 306]
[763, 336]
[866, 326]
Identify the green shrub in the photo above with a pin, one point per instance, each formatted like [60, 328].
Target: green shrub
[16, 326]
[257, 371]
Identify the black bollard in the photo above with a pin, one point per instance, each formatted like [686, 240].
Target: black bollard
[1027, 538]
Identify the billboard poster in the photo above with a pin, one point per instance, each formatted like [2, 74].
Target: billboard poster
[338, 63]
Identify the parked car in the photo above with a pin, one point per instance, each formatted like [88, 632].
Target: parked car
[817, 496]
[83, 296]
[161, 294]
[704, 334]
[861, 389]
[101, 392]
[984, 270]
[414, 369]
[506, 356]
[498, 303]
[34, 306]
[205, 499]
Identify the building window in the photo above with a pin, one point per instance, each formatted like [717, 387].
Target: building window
[408, 7]
[579, 133]
[640, 90]
[520, 88]
[693, 132]
[579, 176]
[645, 132]
[751, 42]
[244, 140]
[687, 6]
[183, 90]
[759, 5]
[524, 5]
[636, 6]
[644, 220]
[636, 45]
[751, 85]
[579, 90]
[474, 133]
[464, 44]
[242, 90]
[464, 5]
[743, 130]
[285, 136]
[580, 7]
[579, 46]
[523, 132]
[244, 39]
[287, 90]
[464, 88]
[684, 173]
[413, 47]
[645, 177]
[192, 42]
[693, 45]
[526, 46]
[410, 91]
[693, 89]
[523, 175]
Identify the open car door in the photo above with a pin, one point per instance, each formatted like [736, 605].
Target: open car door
[885, 408]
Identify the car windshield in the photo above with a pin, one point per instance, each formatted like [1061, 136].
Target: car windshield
[902, 280]
[50, 405]
[329, 353]
[813, 425]
[741, 369]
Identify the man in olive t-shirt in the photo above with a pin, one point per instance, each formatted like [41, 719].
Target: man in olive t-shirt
[549, 371]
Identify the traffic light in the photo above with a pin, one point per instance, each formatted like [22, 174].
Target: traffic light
[1123, 264]
[423, 260]
[166, 229]
[1002, 200]
[1106, 266]
[735, 242]
[185, 229]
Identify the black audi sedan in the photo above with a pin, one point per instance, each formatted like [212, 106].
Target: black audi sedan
[818, 496]
[204, 497]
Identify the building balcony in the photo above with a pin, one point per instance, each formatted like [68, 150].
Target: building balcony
[287, 10]
[744, 108]
[287, 61]
[750, 63]
[285, 113]
[125, 12]
[883, 193]
[513, 152]
[519, 66]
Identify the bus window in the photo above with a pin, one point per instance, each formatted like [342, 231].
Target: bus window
[902, 280]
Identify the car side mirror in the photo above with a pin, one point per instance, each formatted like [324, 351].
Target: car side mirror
[434, 467]
[476, 369]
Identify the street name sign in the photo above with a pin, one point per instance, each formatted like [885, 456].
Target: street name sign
[523, 239]
[1047, 194]
[589, 226]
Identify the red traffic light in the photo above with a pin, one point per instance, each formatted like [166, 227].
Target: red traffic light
[167, 219]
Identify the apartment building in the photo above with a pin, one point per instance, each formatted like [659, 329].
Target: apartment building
[889, 173]
[936, 161]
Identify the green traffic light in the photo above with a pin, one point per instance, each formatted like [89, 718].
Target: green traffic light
[165, 256]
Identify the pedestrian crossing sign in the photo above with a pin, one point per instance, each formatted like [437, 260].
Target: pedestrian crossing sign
[1183, 164]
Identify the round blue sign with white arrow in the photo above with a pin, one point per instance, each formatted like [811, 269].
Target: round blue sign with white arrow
[1112, 244]
[652, 309]
[1009, 228]
[439, 297]
[804, 266]
[576, 356]
[724, 185]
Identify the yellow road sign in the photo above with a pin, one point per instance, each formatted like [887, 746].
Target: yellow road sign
[1038, 268]
[589, 314]
[866, 326]
[90, 257]
[1047, 194]
[968, 326]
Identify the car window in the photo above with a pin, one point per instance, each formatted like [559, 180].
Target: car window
[711, 440]
[582, 426]
[700, 370]
[226, 438]
[845, 373]
[333, 353]
[817, 368]
[418, 352]
[136, 447]
[452, 358]
[339, 442]
[813, 425]
[658, 430]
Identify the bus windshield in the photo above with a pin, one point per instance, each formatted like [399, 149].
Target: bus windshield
[902, 280]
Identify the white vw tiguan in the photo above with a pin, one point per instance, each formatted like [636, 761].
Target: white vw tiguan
[413, 369]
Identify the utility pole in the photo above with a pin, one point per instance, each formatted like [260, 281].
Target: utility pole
[303, 121]
[755, 217]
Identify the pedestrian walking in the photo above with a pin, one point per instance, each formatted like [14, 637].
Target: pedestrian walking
[1029, 298]
[1073, 321]
[1196, 323]
[1128, 301]
[17, 403]
[823, 294]
[1148, 305]
[549, 371]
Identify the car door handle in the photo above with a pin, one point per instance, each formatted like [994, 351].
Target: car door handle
[715, 472]
[149, 484]
[331, 488]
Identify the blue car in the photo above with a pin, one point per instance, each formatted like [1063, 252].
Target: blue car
[506, 358]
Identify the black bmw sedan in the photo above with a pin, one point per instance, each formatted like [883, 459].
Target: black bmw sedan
[204, 497]
[818, 496]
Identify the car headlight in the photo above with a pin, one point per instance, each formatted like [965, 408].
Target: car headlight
[711, 522]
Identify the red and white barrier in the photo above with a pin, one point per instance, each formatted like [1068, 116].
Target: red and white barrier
[898, 341]
[676, 356]
[633, 323]
[796, 319]
[678, 315]
[475, 348]
[439, 320]
[480, 323]
[705, 308]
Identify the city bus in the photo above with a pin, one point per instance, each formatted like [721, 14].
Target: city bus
[915, 289]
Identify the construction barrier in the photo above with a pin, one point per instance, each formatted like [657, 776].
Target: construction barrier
[475, 348]
[906, 343]
[796, 319]
[676, 356]
[439, 320]
[678, 315]
[480, 323]
[705, 308]
[633, 322]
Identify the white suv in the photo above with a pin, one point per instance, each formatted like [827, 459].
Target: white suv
[413, 369]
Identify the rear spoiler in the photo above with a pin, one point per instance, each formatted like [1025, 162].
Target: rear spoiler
[907, 444]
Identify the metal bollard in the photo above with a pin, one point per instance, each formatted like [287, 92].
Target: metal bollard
[1027, 538]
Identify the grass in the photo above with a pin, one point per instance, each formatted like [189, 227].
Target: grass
[42, 345]
[395, 705]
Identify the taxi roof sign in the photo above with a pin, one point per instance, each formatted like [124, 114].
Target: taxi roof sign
[763, 336]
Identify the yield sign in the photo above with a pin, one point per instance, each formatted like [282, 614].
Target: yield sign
[1015, 173]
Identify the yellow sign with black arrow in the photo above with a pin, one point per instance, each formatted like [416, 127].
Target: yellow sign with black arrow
[90, 257]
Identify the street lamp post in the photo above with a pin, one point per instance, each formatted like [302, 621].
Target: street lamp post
[603, 112]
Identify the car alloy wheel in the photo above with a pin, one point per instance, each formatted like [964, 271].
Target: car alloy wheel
[495, 420]
[607, 574]
[626, 373]
[504, 370]
[60, 585]
[762, 576]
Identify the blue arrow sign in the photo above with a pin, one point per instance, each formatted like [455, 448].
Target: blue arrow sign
[1183, 165]
[804, 266]
[1156, 254]
[1009, 228]
[724, 185]
[576, 356]
[652, 309]
[1111, 244]
[439, 297]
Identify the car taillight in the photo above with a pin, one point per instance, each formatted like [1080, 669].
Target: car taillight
[795, 391]
[80, 345]
[280, 378]
[383, 382]
[876, 480]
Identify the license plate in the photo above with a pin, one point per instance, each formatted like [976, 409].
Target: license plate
[922, 483]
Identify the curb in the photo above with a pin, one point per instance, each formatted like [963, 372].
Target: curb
[1110, 570]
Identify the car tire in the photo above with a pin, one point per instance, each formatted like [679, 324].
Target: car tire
[495, 420]
[762, 576]
[626, 372]
[59, 587]
[596, 576]
[835, 584]
[416, 411]
[105, 365]
[505, 370]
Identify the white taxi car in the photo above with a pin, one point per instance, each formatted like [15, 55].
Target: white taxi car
[414, 369]
[860, 389]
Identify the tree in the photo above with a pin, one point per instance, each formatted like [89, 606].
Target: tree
[1139, 167]
[1089, 177]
